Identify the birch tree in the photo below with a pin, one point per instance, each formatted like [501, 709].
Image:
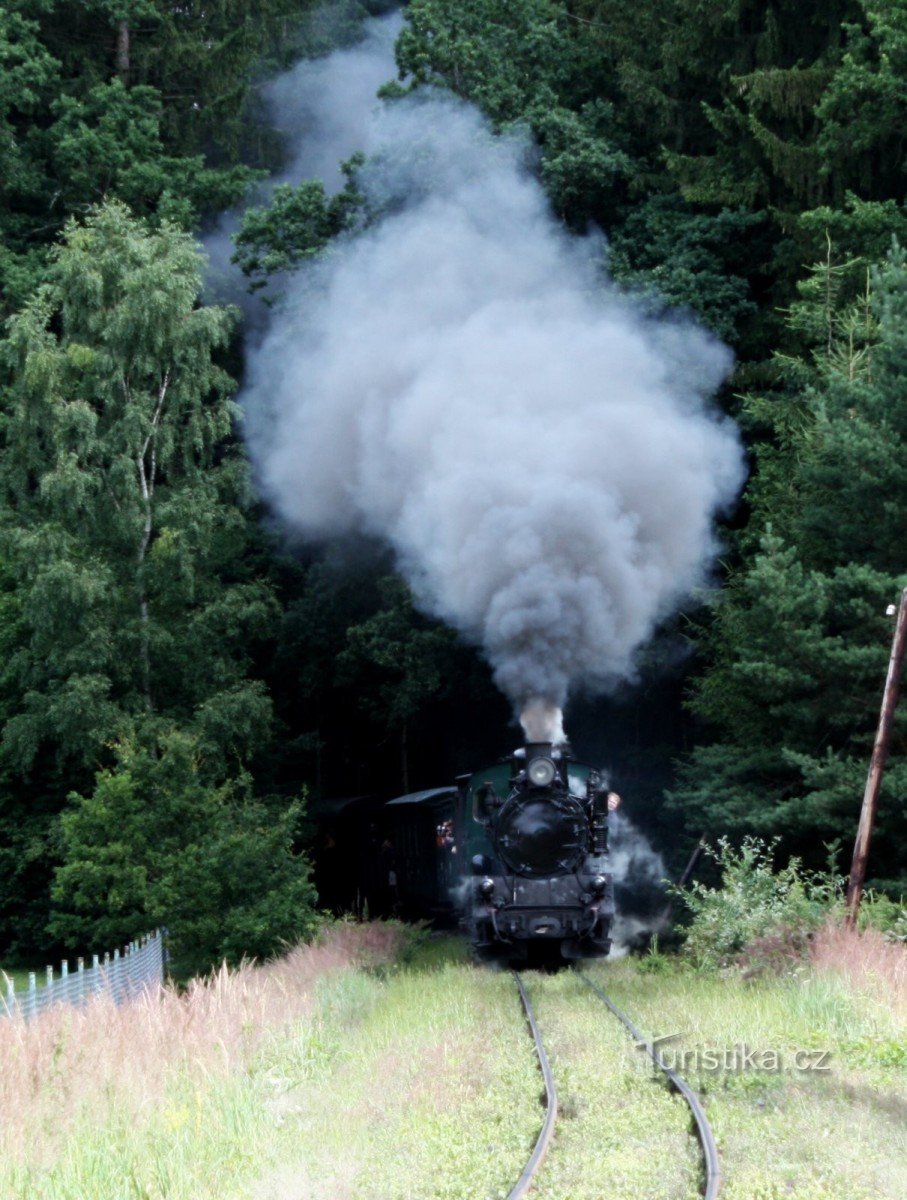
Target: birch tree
[124, 525]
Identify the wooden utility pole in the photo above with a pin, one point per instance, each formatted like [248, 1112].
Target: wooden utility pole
[877, 764]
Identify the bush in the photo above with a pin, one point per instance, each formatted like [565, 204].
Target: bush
[155, 844]
[889, 917]
[758, 915]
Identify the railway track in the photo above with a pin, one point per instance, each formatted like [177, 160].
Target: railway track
[711, 1166]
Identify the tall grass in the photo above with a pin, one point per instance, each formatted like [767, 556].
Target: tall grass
[820, 1127]
[343, 1073]
[870, 964]
[73, 1070]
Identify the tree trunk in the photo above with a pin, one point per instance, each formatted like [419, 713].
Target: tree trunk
[123, 51]
[147, 472]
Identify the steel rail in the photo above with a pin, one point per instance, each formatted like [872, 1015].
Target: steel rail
[545, 1133]
[704, 1130]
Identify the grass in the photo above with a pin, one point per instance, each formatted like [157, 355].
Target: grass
[19, 976]
[346, 1072]
[334, 1073]
[790, 1133]
[616, 1122]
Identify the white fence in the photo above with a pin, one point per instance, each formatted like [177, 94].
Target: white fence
[121, 976]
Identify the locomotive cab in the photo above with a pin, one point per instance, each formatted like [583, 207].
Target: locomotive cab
[534, 829]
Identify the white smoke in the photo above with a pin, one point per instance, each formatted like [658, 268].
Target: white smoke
[321, 107]
[633, 862]
[461, 380]
[543, 722]
[632, 858]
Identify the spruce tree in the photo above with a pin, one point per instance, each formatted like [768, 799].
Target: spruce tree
[799, 646]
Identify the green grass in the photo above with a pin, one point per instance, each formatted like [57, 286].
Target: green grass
[413, 1081]
[616, 1122]
[791, 1134]
[417, 1081]
[426, 1087]
[19, 976]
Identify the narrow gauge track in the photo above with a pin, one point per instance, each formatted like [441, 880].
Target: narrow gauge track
[712, 1179]
[541, 1145]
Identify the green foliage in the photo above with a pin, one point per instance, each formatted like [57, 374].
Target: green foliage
[500, 56]
[409, 655]
[141, 100]
[527, 64]
[124, 508]
[124, 529]
[156, 845]
[881, 912]
[744, 162]
[690, 260]
[798, 647]
[296, 225]
[753, 902]
[109, 143]
[862, 112]
[400, 660]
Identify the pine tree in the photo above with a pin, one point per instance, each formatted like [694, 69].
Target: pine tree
[799, 646]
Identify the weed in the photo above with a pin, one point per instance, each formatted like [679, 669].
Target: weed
[759, 917]
[654, 962]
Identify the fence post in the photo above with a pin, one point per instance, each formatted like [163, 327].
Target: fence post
[122, 975]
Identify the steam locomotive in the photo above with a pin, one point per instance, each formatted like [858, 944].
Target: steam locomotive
[517, 852]
[535, 831]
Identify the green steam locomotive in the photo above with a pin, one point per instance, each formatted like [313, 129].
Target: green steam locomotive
[518, 852]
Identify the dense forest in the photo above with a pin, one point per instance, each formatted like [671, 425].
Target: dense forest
[180, 685]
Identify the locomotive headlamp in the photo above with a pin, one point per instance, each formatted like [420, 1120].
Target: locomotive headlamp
[598, 885]
[486, 888]
[541, 772]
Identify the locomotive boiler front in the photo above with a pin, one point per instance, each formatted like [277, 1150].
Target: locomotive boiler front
[542, 883]
[541, 830]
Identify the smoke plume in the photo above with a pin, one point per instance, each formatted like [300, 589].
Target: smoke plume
[542, 721]
[321, 109]
[461, 379]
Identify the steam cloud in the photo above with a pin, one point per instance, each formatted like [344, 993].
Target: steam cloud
[462, 380]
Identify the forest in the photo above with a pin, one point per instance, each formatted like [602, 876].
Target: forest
[182, 685]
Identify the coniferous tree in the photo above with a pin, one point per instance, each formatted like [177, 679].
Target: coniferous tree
[800, 642]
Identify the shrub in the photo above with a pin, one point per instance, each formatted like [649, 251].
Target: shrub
[889, 917]
[756, 910]
[155, 844]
